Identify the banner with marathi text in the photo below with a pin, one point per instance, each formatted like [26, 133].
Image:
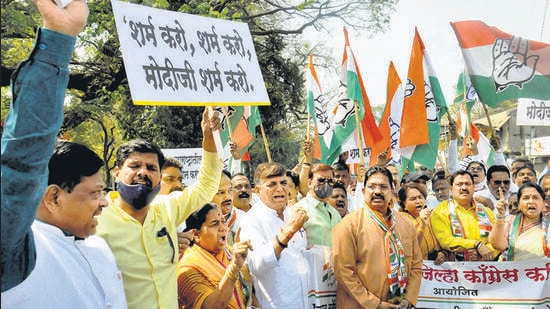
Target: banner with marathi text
[190, 159]
[532, 113]
[485, 285]
[172, 58]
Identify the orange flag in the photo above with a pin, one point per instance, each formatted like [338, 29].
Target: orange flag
[414, 122]
[385, 143]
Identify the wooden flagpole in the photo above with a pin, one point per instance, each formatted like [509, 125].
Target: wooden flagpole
[491, 130]
[359, 136]
[265, 143]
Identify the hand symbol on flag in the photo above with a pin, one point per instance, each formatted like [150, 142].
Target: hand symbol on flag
[511, 65]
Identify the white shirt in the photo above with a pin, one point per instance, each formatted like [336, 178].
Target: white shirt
[68, 274]
[279, 283]
[487, 193]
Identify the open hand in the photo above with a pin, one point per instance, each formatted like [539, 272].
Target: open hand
[511, 64]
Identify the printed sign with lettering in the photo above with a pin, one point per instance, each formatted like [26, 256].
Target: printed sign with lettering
[190, 159]
[472, 285]
[173, 58]
[531, 112]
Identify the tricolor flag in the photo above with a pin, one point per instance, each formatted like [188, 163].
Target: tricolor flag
[467, 97]
[502, 66]
[322, 120]
[251, 119]
[391, 119]
[422, 111]
[235, 128]
[352, 90]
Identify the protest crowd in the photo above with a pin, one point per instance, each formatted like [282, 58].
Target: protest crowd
[233, 241]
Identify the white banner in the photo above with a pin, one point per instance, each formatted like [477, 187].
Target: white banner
[173, 58]
[532, 112]
[321, 291]
[484, 285]
[355, 158]
[190, 158]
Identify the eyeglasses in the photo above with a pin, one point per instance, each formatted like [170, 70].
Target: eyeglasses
[322, 180]
[499, 182]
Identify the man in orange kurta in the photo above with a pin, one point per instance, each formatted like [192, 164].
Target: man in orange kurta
[361, 243]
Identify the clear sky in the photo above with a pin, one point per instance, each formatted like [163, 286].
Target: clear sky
[432, 17]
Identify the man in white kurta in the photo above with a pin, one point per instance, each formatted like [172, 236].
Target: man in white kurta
[277, 263]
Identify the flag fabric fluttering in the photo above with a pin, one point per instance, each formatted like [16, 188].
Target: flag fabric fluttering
[251, 120]
[238, 125]
[503, 66]
[352, 90]
[423, 109]
[322, 120]
[391, 119]
[467, 98]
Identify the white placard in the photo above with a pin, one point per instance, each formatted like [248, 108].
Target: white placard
[532, 112]
[190, 159]
[174, 58]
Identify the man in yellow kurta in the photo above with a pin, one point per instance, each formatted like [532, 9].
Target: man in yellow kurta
[142, 235]
[377, 259]
[461, 225]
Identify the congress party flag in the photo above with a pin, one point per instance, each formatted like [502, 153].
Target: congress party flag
[352, 90]
[467, 96]
[503, 66]
[233, 129]
[317, 109]
[425, 100]
[391, 119]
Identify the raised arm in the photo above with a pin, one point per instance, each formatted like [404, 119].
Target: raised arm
[208, 179]
[30, 132]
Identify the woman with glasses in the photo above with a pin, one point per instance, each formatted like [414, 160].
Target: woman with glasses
[525, 236]
[209, 275]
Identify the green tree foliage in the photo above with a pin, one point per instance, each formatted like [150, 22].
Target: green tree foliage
[101, 113]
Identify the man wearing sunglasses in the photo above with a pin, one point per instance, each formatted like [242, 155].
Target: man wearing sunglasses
[322, 216]
[498, 177]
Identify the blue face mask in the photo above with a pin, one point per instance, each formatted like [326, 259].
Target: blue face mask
[138, 195]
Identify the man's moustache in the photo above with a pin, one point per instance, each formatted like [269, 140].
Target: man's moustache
[174, 189]
[148, 182]
[244, 195]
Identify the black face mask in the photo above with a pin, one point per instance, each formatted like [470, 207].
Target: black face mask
[138, 195]
[323, 191]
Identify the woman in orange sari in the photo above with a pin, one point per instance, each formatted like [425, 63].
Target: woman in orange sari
[209, 275]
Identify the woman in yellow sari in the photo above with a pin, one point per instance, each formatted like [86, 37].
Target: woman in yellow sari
[412, 199]
[209, 275]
